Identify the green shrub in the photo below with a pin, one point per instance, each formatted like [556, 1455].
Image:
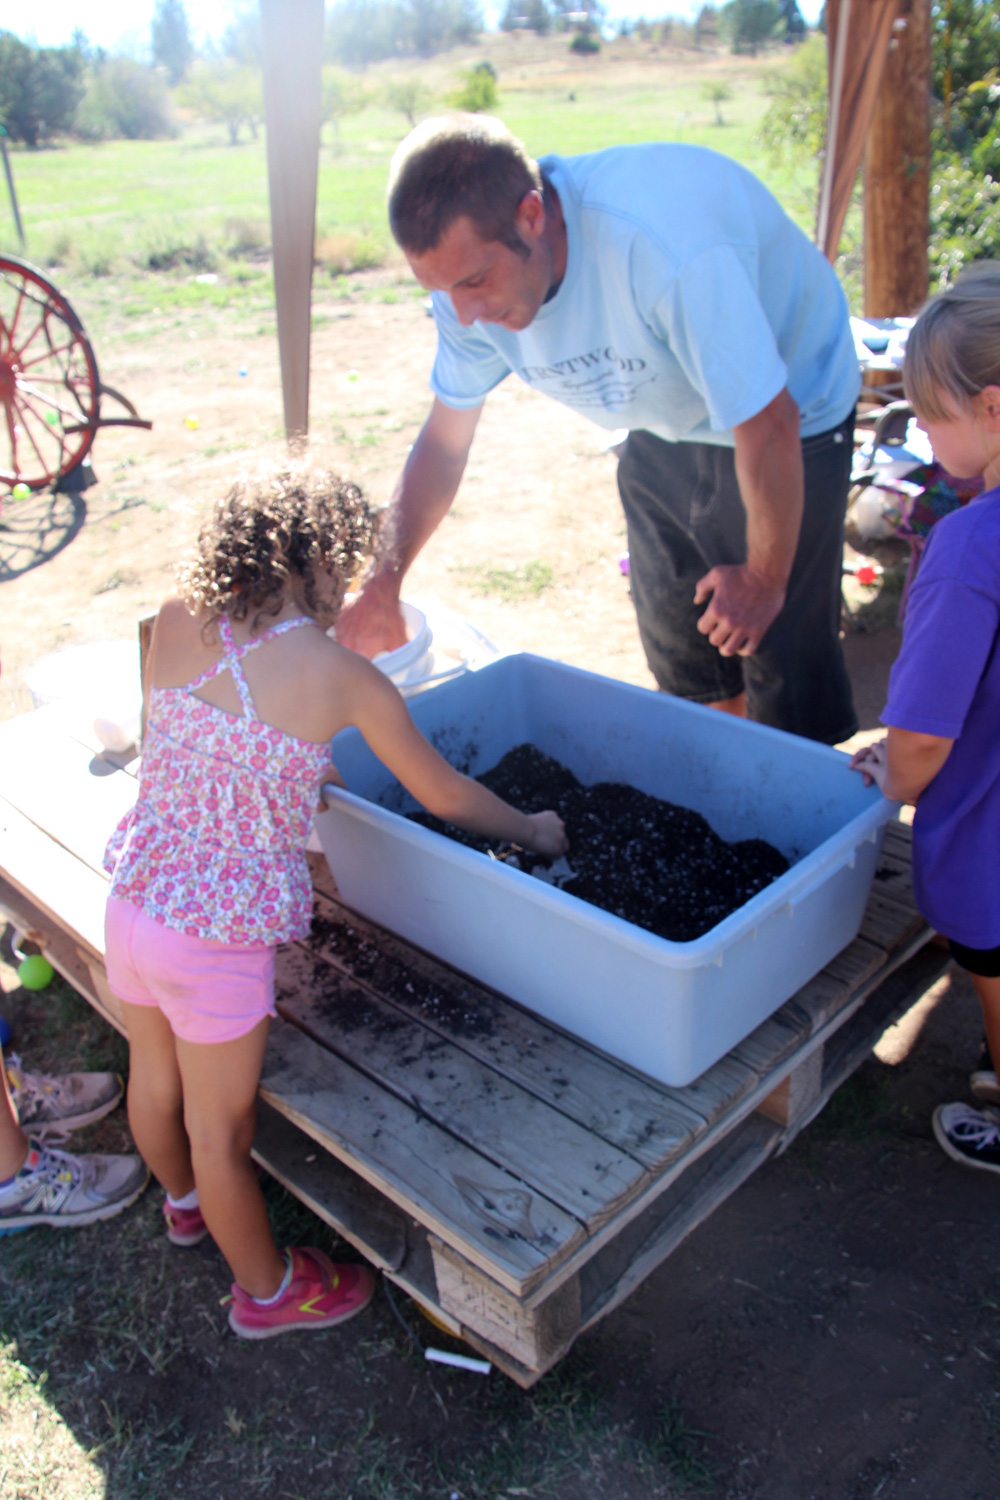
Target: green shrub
[478, 91]
[124, 101]
[965, 221]
[586, 42]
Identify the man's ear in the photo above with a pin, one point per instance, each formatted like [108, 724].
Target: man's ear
[989, 405]
[529, 220]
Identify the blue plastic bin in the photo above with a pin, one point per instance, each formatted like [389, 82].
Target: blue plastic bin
[668, 1009]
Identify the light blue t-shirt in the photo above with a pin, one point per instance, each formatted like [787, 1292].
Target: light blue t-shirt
[690, 300]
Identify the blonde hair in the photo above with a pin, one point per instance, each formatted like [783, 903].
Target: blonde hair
[288, 523]
[953, 349]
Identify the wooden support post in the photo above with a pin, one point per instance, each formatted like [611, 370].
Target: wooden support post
[797, 1093]
[293, 58]
[536, 1337]
[897, 172]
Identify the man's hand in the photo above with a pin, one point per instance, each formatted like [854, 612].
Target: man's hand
[745, 598]
[742, 606]
[374, 622]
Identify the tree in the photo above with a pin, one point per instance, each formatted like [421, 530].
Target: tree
[341, 96]
[478, 91]
[718, 91]
[794, 123]
[40, 88]
[126, 101]
[527, 15]
[966, 37]
[750, 23]
[172, 46]
[227, 94]
[791, 20]
[242, 40]
[410, 96]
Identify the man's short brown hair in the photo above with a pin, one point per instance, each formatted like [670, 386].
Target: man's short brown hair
[459, 166]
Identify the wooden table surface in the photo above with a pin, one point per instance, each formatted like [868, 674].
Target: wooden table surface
[515, 1181]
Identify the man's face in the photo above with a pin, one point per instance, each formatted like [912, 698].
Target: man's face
[486, 281]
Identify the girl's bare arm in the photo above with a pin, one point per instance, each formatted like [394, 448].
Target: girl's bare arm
[373, 704]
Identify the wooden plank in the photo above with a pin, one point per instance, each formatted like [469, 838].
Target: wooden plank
[639, 1116]
[889, 922]
[74, 797]
[856, 963]
[777, 1038]
[338, 1196]
[608, 1278]
[549, 1152]
[66, 890]
[719, 1089]
[535, 1336]
[492, 1218]
[850, 1045]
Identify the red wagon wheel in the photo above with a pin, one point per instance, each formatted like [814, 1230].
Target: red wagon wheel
[50, 393]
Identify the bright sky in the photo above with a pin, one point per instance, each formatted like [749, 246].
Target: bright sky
[123, 25]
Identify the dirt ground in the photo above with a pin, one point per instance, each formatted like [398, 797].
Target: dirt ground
[833, 1331]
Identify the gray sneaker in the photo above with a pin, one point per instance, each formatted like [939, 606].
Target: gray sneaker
[57, 1188]
[68, 1102]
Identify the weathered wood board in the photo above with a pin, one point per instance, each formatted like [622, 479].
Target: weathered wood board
[514, 1181]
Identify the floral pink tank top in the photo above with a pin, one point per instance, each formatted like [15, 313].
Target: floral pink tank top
[215, 845]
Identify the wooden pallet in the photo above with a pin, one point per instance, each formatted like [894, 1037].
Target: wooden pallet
[514, 1181]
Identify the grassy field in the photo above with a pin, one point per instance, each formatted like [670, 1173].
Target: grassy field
[192, 202]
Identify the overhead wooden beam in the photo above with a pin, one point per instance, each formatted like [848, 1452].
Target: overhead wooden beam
[293, 59]
[897, 171]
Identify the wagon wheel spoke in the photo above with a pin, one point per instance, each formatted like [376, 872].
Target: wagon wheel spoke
[49, 385]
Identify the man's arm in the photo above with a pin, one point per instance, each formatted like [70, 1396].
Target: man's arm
[422, 499]
[745, 598]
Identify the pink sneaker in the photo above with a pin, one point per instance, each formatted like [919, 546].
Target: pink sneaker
[185, 1226]
[319, 1295]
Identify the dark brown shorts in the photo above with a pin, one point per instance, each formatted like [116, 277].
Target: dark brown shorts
[685, 515]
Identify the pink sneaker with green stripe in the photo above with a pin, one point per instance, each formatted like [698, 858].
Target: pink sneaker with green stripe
[320, 1294]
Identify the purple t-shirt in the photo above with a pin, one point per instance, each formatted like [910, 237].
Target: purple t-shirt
[946, 681]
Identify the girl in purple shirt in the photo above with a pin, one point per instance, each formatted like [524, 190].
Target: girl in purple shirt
[944, 692]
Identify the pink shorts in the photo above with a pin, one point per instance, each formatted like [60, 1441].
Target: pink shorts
[208, 991]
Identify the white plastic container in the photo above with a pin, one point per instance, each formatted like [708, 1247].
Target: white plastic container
[440, 645]
[98, 685]
[668, 1009]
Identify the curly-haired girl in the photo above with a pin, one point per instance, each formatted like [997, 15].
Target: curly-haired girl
[244, 692]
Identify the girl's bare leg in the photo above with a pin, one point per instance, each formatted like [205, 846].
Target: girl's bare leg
[988, 991]
[220, 1111]
[155, 1099]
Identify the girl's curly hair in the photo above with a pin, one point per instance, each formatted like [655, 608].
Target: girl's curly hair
[289, 524]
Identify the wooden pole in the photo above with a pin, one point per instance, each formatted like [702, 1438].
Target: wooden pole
[897, 172]
[293, 59]
[10, 186]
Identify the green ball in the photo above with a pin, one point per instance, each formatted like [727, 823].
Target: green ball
[35, 972]
[52, 417]
[21, 491]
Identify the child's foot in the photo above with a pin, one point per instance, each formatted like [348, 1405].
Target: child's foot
[185, 1226]
[983, 1080]
[57, 1188]
[319, 1295]
[970, 1136]
[69, 1102]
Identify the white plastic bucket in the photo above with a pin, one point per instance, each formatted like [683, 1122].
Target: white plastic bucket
[409, 665]
[98, 683]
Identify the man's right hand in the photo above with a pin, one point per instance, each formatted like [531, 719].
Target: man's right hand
[374, 621]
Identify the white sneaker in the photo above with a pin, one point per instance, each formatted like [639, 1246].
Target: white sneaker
[57, 1188]
[67, 1102]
